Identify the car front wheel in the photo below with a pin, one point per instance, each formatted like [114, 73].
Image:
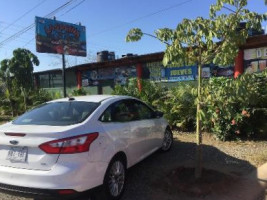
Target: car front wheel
[114, 182]
[167, 140]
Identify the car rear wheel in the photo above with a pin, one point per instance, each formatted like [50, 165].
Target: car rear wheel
[114, 182]
[167, 140]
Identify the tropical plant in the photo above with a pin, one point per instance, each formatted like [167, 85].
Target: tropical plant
[79, 92]
[39, 96]
[195, 41]
[150, 91]
[17, 74]
[178, 105]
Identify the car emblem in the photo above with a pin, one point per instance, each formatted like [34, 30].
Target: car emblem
[14, 142]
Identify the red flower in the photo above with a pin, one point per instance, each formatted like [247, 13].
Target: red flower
[244, 112]
[233, 122]
[237, 132]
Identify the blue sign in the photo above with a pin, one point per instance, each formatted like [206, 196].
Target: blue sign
[181, 73]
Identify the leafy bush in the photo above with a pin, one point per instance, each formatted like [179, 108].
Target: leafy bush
[39, 97]
[13, 104]
[79, 92]
[179, 106]
[150, 91]
[236, 108]
[232, 108]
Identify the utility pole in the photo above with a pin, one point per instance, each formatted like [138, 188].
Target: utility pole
[64, 75]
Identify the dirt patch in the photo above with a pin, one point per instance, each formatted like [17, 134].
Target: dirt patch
[253, 151]
[183, 179]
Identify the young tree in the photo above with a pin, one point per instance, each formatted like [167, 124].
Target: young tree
[18, 72]
[204, 41]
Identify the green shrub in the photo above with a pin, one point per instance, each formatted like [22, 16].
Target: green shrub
[79, 92]
[150, 91]
[16, 101]
[232, 108]
[235, 108]
[179, 106]
[39, 96]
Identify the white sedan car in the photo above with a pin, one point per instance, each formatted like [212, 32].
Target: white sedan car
[66, 147]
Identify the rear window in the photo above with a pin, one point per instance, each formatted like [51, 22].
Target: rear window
[58, 113]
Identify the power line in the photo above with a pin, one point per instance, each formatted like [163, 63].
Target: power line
[142, 17]
[51, 14]
[26, 13]
[59, 8]
[73, 8]
[8, 23]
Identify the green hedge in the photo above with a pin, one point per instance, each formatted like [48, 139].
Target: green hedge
[236, 108]
[232, 108]
[177, 103]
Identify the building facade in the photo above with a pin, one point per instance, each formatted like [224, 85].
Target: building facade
[101, 77]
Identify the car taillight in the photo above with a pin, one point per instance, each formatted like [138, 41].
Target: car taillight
[77, 144]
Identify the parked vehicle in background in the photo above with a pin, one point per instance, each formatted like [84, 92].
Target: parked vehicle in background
[66, 147]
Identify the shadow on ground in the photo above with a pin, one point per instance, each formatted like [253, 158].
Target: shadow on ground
[146, 179]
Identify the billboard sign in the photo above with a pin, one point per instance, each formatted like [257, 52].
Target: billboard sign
[58, 37]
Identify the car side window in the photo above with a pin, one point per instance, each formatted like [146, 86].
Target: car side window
[144, 112]
[118, 112]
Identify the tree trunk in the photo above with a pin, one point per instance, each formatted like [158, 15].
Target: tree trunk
[24, 98]
[198, 164]
[12, 108]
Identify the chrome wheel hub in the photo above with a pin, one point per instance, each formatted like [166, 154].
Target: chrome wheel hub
[167, 141]
[116, 178]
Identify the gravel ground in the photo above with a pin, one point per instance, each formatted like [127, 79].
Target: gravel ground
[238, 158]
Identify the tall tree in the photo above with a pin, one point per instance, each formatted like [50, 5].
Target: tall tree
[18, 72]
[204, 41]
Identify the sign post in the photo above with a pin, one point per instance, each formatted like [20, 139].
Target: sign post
[64, 75]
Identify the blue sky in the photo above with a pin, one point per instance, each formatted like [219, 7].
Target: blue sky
[107, 23]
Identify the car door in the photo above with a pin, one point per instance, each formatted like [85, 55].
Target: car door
[118, 122]
[146, 125]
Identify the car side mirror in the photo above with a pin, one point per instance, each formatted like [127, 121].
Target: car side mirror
[158, 114]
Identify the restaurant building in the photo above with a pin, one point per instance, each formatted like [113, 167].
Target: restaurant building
[101, 76]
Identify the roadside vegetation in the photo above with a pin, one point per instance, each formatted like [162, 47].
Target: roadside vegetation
[235, 109]
[17, 88]
[195, 41]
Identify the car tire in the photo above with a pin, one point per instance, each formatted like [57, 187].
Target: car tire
[167, 140]
[115, 179]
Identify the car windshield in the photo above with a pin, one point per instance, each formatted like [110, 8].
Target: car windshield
[58, 113]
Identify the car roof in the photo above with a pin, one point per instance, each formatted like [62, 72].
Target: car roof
[92, 98]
